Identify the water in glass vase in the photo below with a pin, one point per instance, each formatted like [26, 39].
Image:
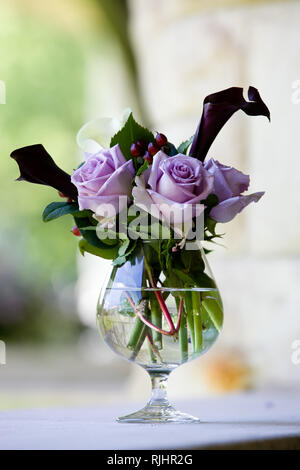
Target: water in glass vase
[146, 320]
[198, 312]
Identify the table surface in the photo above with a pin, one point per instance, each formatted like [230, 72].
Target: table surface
[249, 420]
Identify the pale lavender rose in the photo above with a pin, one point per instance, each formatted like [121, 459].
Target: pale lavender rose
[229, 184]
[102, 180]
[173, 187]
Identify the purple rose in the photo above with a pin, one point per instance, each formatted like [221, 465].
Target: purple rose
[229, 184]
[102, 179]
[173, 185]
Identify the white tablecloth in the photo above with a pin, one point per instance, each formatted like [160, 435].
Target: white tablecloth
[246, 419]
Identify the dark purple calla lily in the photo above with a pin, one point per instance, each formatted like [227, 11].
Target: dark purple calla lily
[37, 166]
[217, 109]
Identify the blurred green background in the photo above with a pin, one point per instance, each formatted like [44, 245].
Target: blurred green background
[47, 52]
[44, 50]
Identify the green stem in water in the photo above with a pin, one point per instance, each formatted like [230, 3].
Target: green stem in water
[159, 298]
[183, 335]
[156, 319]
[150, 346]
[214, 311]
[137, 337]
[196, 297]
[189, 314]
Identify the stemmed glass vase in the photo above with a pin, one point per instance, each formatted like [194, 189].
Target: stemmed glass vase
[160, 320]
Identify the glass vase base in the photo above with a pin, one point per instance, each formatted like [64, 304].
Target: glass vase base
[158, 414]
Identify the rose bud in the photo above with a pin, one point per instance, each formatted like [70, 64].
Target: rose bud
[142, 144]
[147, 157]
[161, 139]
[135, 150]
[153, 149]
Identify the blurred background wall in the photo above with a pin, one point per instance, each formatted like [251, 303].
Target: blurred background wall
[186, 50]
[66, 62]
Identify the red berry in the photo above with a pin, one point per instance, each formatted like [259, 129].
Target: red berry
[135, 150]
[141, 144]
[75, 231]
[147, 157]
[161, 139]
[153, 149]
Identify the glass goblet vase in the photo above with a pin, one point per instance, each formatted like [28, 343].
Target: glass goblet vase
[147, 320]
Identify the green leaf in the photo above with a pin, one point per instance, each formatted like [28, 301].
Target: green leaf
[214, 311]
[106, 235]
[171, 150]
[88, 231]
[130, 133]
[58, 209]
[183, 147]
[211, 225]
[142, 168]
[188, 280]
[123, 248]
[211, 201]
[203, 280]
[106, 252]
[192, 261]
[119, 261]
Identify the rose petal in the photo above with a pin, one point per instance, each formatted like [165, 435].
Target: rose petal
[119, 182]
[108, 207]
[228, 209]
[229, 182]
[156, 173]
[177, 192]
[175, 212]
[117, 155]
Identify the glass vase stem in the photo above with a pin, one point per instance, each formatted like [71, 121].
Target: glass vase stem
[159, 396]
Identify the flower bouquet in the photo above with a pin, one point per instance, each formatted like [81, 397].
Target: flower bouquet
[146, 204]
